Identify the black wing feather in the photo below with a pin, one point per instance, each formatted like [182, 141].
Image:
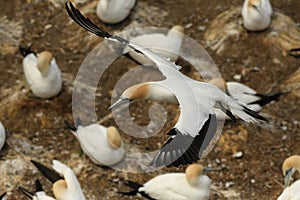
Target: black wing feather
[135, 190]
[25, 191]
[84, 22]
[254, 114]
[265, 99]
[26, 51]
[2, 195]
[182, 149]
[50, 174]
[294, 52]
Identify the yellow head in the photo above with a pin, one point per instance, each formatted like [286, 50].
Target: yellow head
[253, 3]
[139, 91]
[44, 61]
[113, 137]
[59, 188]
[193, 172]
[289, 166]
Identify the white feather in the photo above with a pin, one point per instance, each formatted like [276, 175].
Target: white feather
[114, 11]
[291, 193]
[2, 135]
[74, 191]
[174, 186]
[258, 18]
[94, 143]
[42, 86]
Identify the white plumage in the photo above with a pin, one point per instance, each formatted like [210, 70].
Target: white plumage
[196, 125]
[114, 11]
[289, 167]
[292, 192]
[192, 185]
[102, 145]
[42, 74]
[65, 187]
[73, 190]
[256, 14]
[42, 196]
[166, 45]
[39, 193]
[2, 196]
[2, 135]
[243, 94]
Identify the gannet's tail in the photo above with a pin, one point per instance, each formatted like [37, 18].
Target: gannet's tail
[242, 111]
[135, 190]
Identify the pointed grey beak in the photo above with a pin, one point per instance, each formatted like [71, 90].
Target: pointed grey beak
[119, 102]
[288, 177]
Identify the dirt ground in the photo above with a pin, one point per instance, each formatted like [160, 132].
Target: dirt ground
[35, 128]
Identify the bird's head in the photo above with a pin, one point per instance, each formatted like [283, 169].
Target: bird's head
[59, 188]
[254, 4]
[135, 92]
[289, 166]
[193, 172]
[44, 61]
[113, 137]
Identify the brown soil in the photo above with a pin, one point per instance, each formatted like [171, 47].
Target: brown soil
[35, 128]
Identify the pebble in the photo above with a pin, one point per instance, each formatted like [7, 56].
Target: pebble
[229, 184]
[237, 77]
[48, 26]
[237, 154]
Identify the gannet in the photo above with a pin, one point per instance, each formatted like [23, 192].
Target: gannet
[42, 73]
[289, 166]
[39, 192]
[294, 52]
[64, 187]
[114, 11]
[245, 94]
[102, 145]
[256, 14]
[2, 135]
[197, 122]
[2, 196]
[166, 45]
[191, 185]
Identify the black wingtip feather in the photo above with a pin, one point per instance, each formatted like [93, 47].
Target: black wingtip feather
[26, 50]
[227, 112]
[70, 126]
[38, 186]
[135, 190]
[182, 149]
[25, 191]
[2, 195]
[265, 99]
[47, 172]
[84, 22]
[294, 52]
[254, 114]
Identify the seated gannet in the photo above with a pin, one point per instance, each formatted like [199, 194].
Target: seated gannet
[256, 14]
[114, 11]
[42, 73]
[191, 185]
